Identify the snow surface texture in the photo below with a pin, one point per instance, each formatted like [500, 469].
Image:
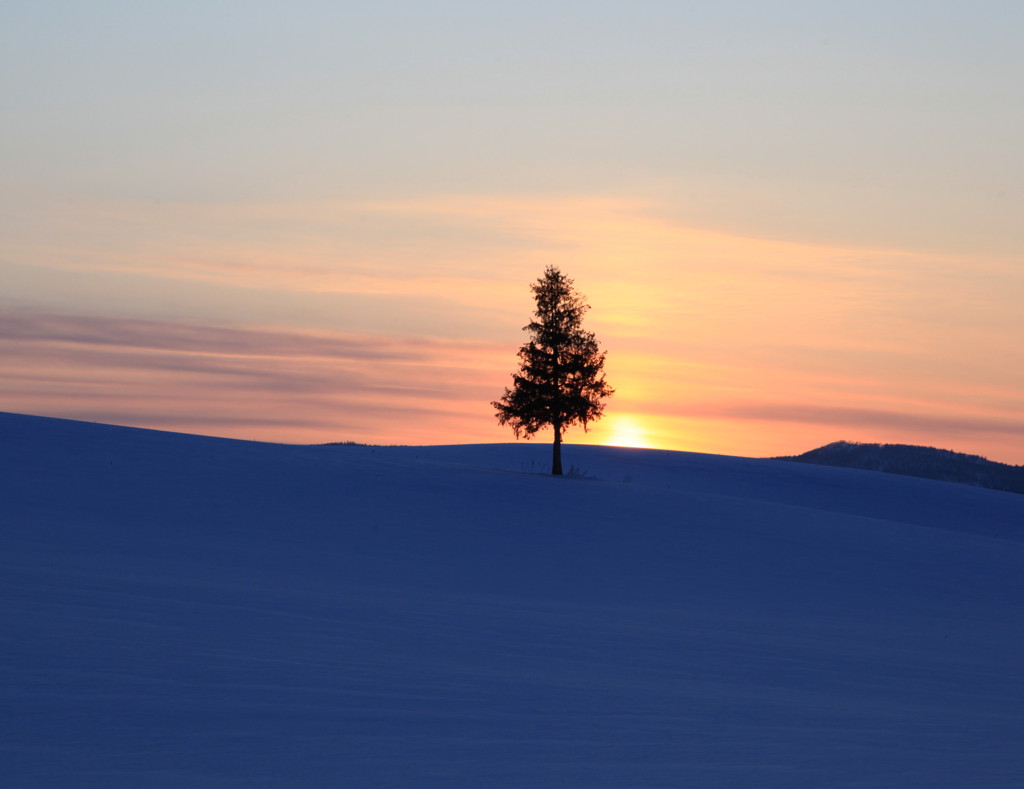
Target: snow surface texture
[180, 611]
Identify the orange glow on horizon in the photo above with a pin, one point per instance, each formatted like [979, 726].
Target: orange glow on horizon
[352, 324]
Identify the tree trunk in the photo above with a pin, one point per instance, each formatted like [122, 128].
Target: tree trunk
[556, 451]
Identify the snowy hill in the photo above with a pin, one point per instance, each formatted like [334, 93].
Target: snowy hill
[915, 461]
[180, 611]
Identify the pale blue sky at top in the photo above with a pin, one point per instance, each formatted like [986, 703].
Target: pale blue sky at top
[801, 100]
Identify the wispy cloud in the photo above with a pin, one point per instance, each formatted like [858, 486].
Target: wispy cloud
[933, 424]
[282, 383]
[204, 339]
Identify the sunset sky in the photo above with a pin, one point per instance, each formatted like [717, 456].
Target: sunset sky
[795, 222]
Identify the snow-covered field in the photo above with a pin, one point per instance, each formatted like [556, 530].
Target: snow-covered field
[181, 611]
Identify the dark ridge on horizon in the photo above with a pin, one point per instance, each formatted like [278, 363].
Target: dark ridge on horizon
[909, 460]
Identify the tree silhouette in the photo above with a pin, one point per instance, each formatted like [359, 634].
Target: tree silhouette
[560, 381]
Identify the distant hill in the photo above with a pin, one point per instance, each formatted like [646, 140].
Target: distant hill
[914, 461]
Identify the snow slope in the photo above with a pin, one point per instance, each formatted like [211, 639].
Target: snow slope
[180, 611]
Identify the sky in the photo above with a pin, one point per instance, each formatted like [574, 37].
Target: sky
[795, 222]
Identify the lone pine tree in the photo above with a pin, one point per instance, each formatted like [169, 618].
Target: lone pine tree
[560, 381]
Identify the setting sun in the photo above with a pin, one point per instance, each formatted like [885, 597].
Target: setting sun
[625, 431]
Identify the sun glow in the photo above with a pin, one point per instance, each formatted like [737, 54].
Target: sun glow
[625, 431]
